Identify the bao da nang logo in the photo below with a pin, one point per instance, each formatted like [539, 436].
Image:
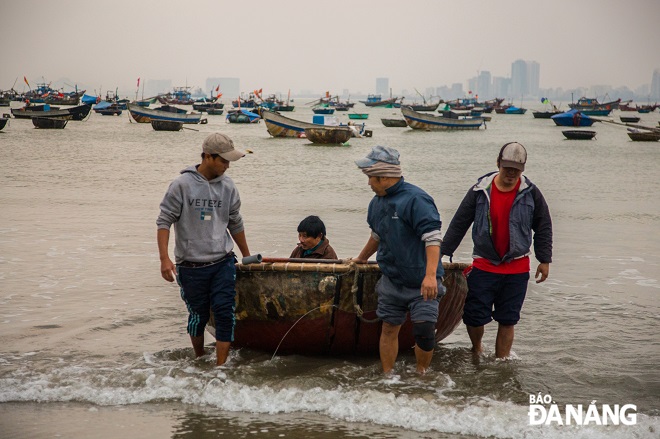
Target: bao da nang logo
[544, 411]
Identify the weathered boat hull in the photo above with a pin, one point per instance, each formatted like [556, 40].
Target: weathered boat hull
[166, 125]
[579, 134]
[282, 126]
[328, 135]
[3, 122]
[50, 122]
[644, 136]
[146, 115]
[427, 121]
[324, 309]
[394, 122]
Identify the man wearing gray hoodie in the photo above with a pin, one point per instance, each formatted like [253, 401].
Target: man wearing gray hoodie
[204, 206]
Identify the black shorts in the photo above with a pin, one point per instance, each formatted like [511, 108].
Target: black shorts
[493, 296]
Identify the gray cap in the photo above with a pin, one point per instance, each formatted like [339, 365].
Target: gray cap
[222, 145]
[379, 154]
[514, 155]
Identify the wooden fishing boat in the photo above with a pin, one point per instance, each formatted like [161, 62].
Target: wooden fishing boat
[358, 115]
[50, 122]
[427, 121]
[644, 136]
[28, 112]
[314, 308]
[328, 135]
[282, 126]
[166, 112]
[394, 122]
[515, 110]
[630, 119]
[215, 111]
[387, 103]
[166, 125]
[323, 110]
[579, 134]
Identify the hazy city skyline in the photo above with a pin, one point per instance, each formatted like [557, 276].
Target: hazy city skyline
[313, 46]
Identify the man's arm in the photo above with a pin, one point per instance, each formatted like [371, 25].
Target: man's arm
[369, 249]
[167, 268]
[460, 223]
[429, 288]
[241, 242]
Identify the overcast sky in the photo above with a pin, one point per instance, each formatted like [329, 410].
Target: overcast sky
[327, 45]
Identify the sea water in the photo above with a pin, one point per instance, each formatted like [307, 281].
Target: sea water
[94, 343]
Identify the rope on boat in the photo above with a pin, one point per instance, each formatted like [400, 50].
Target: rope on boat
[354, 292]
[296, 322]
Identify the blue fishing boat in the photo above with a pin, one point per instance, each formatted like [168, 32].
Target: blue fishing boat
[572, 118]
[323, 110]
[165, 112]
[451, 120]
[515, 110]
[242, 116]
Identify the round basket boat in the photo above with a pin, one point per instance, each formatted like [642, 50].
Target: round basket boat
[329, 135]
[579, 134]
[166, 125]
[315, 308]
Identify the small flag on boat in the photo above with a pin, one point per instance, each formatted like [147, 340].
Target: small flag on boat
[217, 88]
[218, 97]
[138, 82]
[544, 100]
[26, 81]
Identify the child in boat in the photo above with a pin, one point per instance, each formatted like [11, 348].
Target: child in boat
[312, 242]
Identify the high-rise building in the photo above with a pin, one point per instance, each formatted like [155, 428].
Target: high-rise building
[655, 85]
[525, 78]
[501, 87]
[519, 84]
[483, 85]
[383, 87]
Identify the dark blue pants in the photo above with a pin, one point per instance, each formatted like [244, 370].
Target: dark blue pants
[206, 289]
[493, 296]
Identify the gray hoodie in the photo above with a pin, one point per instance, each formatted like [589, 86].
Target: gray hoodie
[204, 214]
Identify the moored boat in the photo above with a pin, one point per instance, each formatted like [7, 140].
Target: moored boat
[394, 122]
[79, 112]
[282, 126]
[166, 125]
[358, 115]
[630, 119]
[644, 136]
[242, 116]
[313, 308]
[572, 118]
[165, 112]
[50, 122]
[515, 110]
[427, 121]
[328, 135]
[4, 120]
[579, 134]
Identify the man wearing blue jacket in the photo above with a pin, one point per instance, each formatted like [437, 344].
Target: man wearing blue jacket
[503, 208]
[204, 206]
[405, 230]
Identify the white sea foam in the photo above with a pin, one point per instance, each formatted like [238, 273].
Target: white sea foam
[190, 385]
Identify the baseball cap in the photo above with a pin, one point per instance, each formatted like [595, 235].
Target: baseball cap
[379, 154]
[513, 155]
[222, 145]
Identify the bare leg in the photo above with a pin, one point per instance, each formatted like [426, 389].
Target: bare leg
[389, 346]
[504, 341]
[476, 333]
[198, 345]
[423, 359]
[221, 352]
